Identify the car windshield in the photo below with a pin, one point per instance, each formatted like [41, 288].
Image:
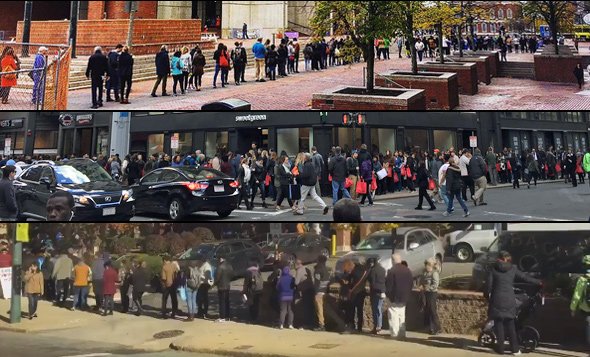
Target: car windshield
[202, 250]
[381, 242]
[79, 173]
[286, 242]
[195, 174]
[495, 245]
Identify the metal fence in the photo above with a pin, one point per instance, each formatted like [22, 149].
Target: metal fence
[40, 81]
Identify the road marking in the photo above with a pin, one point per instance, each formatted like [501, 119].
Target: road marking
[527, 217]
[92, 355]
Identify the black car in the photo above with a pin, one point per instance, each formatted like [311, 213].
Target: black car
[97, 196]
[238, 252]
[307, 247]
[181, 191]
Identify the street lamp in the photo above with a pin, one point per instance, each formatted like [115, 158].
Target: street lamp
[354, 120]
[74, 14]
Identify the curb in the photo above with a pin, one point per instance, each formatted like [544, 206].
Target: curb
[223, 352]
[15, 329]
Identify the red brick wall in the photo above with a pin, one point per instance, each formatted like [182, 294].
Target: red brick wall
[116, 10]
[556, 69]
[108, 33]
[342, 104]
[484, 71]
[441, 94]
[467, 76]
[13, 11]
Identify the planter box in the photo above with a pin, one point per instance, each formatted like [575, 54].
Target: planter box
[556, 69]
[355, 98]
[494, 59]
[484, 72]
[441, 89]
[466, 74]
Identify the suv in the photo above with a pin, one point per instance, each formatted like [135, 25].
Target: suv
[97, 196]
[414, 244]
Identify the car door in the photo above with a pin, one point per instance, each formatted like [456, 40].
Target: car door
[414, 257]
[143, 193]
[239, 257]
[44, 190]
[31, 203]
[162, 191]
[253, 252]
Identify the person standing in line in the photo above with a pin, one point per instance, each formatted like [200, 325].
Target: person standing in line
[34, 287]
[244, 56]
[429, 283]
[186, 62]
[139, 281]
[399, 283]
[176, 70]
[62, 274]
[8, 63]
[321, 278]
[109, 288]
[8, 205]
[286, 290]
[252, 289]
[192, 287]
[113, 73]
[297, 48]
[38, 75]
[98, 67]
[168, 277]
[377, 292]
[98, 267]
[259, 56]
[126, 62]
[579, 74]
[237, 60]
[82, 279]
[223, 276]
[199, 63]
[304, 295]
[491, 160]
[162, 70]
[205, 283]
[355, 280]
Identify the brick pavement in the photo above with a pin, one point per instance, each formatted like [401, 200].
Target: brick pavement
[294, 92]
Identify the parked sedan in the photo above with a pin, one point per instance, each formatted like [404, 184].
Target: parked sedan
[307, 247]
[239, 252]
[181, 191]
[97, 197]
[414, 244]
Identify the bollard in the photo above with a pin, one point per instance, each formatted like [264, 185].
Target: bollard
[334, 245]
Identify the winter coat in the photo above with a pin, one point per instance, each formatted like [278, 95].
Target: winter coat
[98, 65]
[140, 279]
[286, 285]
[307, 177]
[500, 289]
[357, 281]
[126, 65]
[199, 63]
[110, 281]
[223, 275]
[321, 278]
[366, 169]
[453, 179]
[8, 207]
[283, 176]
[377, 279]
[174, 66]
[113, 58]
[422, 178]
[399, 284]
[98, 269]
[163, 63]
[8, 64]
[337, 168]
[34, 283]
[477, 167]
[430, 281]
[62, 269]
[259, 50]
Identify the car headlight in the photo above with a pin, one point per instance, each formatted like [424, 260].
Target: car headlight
[127, 195]
[83, 200]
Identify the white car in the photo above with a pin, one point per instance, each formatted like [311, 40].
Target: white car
[465, 245]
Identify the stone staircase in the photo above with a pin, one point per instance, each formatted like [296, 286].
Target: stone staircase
[519, 70]
[144, 68]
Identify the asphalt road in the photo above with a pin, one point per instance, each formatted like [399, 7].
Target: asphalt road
[35, 345]
[546, 202]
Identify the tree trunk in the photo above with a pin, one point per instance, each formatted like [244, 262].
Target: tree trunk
[439, 28]
[370, 50]
[412, 41]
[460, 40]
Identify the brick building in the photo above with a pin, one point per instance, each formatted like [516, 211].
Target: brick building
[501, 13]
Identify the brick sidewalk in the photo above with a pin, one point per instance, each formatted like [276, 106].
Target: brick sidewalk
[294, 92]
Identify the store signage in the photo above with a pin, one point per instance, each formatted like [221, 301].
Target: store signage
[175, 142]
[6, 282]
[14, 123]
[7, 146]
[84, 119]
[250, 118]
[66, 120]
[473, 141]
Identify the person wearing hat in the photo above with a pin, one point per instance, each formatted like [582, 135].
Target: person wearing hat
[581, 297]
[8, 206]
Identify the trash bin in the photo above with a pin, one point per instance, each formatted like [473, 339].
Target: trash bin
[228, 105]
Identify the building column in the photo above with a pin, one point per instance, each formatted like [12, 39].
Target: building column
[400, 139]
[459, 139]
[93, 148]
[167, 144]
[199, 139]
[175, 9]
[272, 138]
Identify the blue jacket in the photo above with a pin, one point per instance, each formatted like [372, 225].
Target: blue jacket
[259, 50]
[174, 64]
[162, 63]
[286, 285]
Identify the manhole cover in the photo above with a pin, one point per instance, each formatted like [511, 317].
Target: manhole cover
[323, 346]
[168, 334]
[243, 347]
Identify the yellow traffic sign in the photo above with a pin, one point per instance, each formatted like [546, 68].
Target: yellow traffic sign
[22, 232]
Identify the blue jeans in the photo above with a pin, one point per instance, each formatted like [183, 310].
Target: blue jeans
[191, 300]
[443, 194]
[457, 195]
[377, 308]
[217, 70]
[336, 187]
[80, 295]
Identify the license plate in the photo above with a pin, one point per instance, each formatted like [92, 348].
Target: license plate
[109, 211]
[219, 189]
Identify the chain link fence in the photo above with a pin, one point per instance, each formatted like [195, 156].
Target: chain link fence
[34, 76]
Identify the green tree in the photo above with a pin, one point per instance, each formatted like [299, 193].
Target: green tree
[440, 15]
[363, 21]
[559, 15]
[404, 14]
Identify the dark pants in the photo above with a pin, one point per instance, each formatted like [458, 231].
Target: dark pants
[282, 67]
[467, 183]
[4, 93]
[224, 76]
[423, 193]
[255, 188]
[125, 298]
[282, 194]
[238, 73]
[356, 305]
[109, 304]
[203, 300]
[573, 178]
[97, 87]
[272, 72]
[169, 292]
[125, 87]
[49, 289]
[33, 300]
[163, 80]
[254, 307]
[244, 195]
[113, 84]
[501, 325]
[224, 311]
[97, 286]
[431, 313]
[138, 300]
[297, 64]
[178, 79]
[62, 290]
[185, 80]
[368, 194]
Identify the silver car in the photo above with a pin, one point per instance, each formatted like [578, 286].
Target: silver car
[414, 244]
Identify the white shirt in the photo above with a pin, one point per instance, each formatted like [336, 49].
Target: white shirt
[186, 62]
[247, 173]
[442, 171]
[463, 162]
[419, 46]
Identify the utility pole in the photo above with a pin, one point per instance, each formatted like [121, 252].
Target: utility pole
[27, 28]
[132, 7]
[17, 258]
[74, 14]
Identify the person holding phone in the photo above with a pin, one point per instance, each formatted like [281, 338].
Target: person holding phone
[34, 287]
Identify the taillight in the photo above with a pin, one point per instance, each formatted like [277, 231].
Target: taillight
[234, 184]
[196, 186]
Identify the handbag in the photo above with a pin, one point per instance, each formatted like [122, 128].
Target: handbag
[431, 184]
[579, 170]
[558, 168]
[381, 174]
[508, 165]
[223, 62]
[295, 171]
[329, 178]
[267, 180]
[361, 187]
[408, 172]
[395, 177]
[348, 183]
[389, 172]
[294, 192]
[373, 185]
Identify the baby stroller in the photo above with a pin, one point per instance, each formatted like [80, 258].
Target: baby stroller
[526, 305]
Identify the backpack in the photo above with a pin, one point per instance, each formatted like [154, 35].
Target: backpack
[256, 282]
[223, 62]
[192, 281]
[366, 166]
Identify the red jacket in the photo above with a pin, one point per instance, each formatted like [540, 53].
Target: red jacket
[110, 281]
[5, 260]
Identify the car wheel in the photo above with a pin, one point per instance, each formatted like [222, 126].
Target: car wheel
[175, 209]
[224, 214]
[464, 253]
[325, 252]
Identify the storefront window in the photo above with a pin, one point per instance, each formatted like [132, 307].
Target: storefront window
[583, 142]
[102, 141]
[444, 140]
[416, 140]
[383, 139]
[155, 144]
[215, 141]
[540, 141]
[573, 117]
[294, 140]
[46, 139]
[552, 116]
[513, 115]
[344, 138]
[185, 143]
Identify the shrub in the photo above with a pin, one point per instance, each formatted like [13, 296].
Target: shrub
[190, 240]
[176, 244]
[204, 234]
[156, 245]
[121, 245]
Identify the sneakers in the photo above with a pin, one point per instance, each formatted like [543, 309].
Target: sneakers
[446, 213]
[467, 214]
[326, 209]
[291, 327]
[280, 327]
[518, 353]
[221, 320]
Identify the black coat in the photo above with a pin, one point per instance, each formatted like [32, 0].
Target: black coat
[8, 207]
[422, 178]
[163, 63]
[377, 279]
[337, 168]
[125, 65]
[284, 176]
[500, 287]
[399, 284]
[140, 279]
[308, 176]
[98, 65]
[357, 281]
[224, 275]
[453, 179]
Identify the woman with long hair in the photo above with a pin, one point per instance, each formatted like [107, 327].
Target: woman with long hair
[243, 177]
[429, 283]
[8, 64]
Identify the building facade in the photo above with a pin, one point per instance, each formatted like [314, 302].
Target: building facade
[148, 133]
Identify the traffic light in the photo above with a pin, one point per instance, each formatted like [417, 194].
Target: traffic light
[361, 119]
[324, 117]
[346, 119]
